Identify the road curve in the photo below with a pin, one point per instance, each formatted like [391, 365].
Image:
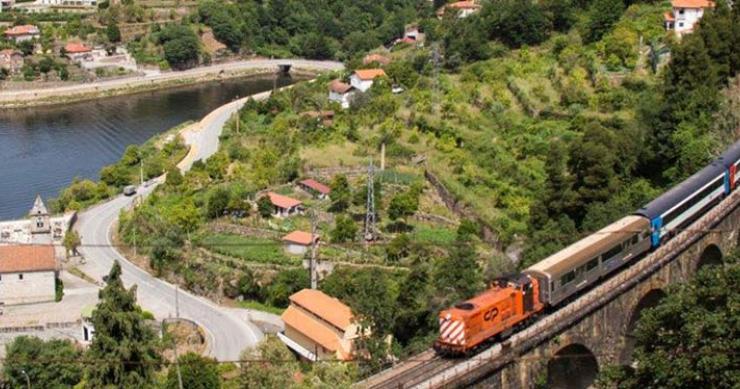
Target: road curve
[228, 334]
[27, 97]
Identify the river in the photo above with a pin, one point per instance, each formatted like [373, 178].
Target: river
[43, 148]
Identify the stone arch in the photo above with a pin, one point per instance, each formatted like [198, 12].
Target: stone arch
[649, 300]
[711, 256]
[572, 367]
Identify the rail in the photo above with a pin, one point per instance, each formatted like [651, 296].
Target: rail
[469, 371]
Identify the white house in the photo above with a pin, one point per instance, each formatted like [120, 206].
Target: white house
[28, 274]
[315, 188]
[685, 14]
[341, 93]
[463, 8]
[284, 206]
[22, 33]
[77, 51]
[298, 242]
[362, 79]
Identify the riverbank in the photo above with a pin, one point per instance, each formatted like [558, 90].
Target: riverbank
[131, 85]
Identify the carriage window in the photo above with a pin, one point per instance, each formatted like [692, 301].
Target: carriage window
[612, 252]
[635, 238]
[567, 278]
[696, 198]
[592, 264]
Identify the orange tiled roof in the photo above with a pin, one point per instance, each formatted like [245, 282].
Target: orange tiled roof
[315, 185]
[369, 74]
[668, 17]
[692, 3]
[311, 328]
[283, 201]
[76, 48]
[339, 87]
[20, 258]
[26, 29]
[324, 306]
[299, 237]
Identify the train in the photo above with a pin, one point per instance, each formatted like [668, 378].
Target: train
[512, 303]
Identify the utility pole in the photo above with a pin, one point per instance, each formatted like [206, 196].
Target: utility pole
[370, 206]
[313, 274]
[177, 314]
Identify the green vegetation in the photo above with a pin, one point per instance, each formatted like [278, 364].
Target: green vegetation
[249, 248]
[124, 345]
[694, 327]
[149, 160]
[536, 123]
[23, 354]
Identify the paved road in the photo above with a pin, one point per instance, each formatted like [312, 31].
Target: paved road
[31, 95]
[228, 334]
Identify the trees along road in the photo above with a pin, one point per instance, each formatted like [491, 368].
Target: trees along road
[228, 334]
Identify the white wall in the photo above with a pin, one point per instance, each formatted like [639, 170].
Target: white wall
[362, 85]
[35, 287]
[685, 22]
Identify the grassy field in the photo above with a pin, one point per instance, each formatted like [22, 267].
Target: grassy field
[258, 306]
[248, 248]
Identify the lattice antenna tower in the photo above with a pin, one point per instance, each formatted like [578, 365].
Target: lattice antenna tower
[370, 214]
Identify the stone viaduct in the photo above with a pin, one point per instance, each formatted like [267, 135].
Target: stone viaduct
[567, 348]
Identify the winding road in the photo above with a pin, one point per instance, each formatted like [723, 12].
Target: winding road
[228, 333]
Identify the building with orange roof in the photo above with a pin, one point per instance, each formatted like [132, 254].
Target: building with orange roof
[298, 242]
[284, 206]
[319, 327]
[685, 14]
[463, 8]
[22, 33]
[28, 274]
[362, 79]
[341, 93]
[315, 188]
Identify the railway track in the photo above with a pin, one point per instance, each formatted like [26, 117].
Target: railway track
[426, 370]
[410, 372]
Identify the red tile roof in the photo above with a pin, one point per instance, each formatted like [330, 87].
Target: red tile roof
[26, 29]
[76, 48]
[323, 306]
[339, 87]
[26, 258]
[283, 201]
[300, 237]
[369, 74]
[315, 185]
[692, 4]
[668, 17]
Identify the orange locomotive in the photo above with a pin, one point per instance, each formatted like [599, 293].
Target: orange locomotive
[493, 314]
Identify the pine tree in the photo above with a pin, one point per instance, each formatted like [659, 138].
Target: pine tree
[124, 347]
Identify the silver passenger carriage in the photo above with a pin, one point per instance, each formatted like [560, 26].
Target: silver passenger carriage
[564, 273]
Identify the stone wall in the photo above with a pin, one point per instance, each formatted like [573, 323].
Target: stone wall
[573, 356]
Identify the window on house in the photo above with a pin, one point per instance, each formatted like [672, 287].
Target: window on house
[20, 276]
[680, 24]
[680, 11]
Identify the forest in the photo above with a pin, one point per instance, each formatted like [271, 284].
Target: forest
[544, 121]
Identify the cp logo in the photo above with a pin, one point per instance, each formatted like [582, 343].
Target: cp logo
[490, 314]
